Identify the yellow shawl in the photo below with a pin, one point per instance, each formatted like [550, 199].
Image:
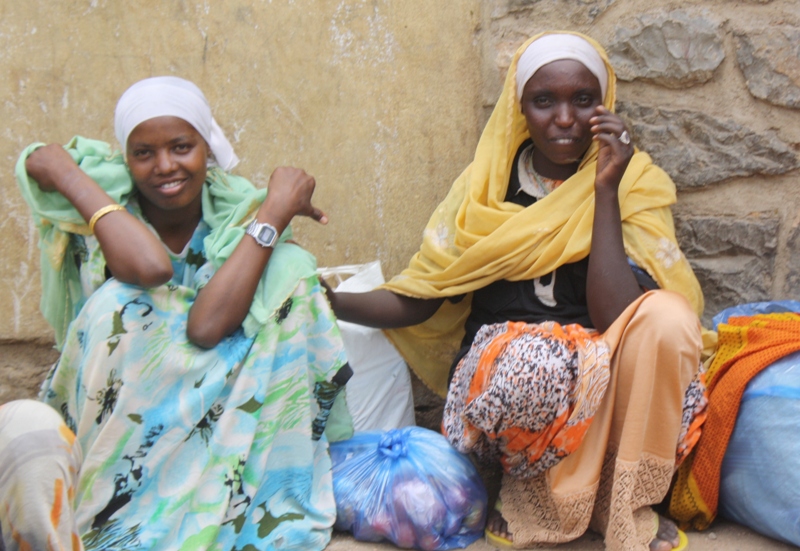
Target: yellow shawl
[475, 238]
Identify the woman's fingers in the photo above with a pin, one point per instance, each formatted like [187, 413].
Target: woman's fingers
[318, 215]
[604, 125]
[292, 189]
[606, 122]
[616, 141]
[609, 129]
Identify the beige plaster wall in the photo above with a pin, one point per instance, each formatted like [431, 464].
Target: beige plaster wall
[378, 99]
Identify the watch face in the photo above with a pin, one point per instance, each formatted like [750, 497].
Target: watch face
[266, 234]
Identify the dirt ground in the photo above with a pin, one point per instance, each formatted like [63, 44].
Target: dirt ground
[23, 367]
[723, 536]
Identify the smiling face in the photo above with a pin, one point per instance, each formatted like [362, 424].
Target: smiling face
[557, 102]
[167, 159]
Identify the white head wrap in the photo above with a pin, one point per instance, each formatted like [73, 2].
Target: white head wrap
[175, 97]
[554, 47]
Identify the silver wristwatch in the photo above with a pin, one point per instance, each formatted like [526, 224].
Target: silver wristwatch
[265, 234]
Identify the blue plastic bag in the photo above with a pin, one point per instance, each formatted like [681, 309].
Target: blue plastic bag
[753, 308]
[408, 486]
[760, 476]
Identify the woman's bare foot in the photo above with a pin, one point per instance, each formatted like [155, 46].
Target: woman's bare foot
[497, 525]
[666, 536]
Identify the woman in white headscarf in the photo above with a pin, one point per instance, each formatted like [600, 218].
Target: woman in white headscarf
[199, 357]
[552, 275]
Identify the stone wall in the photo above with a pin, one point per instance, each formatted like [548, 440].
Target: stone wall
[383, 101]
[712, 91]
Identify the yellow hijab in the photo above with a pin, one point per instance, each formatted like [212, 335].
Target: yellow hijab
[475, 238]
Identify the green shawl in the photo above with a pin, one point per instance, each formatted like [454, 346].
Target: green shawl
[229, 204]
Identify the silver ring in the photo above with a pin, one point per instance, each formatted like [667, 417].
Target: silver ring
[625, 137]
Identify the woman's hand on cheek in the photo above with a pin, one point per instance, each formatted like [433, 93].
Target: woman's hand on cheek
[50, 166]
[289, 194]
[614, 155]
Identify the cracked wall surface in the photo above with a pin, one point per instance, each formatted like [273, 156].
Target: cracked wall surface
[375, 98]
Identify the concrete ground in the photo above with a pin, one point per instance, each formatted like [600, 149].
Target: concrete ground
[723, 536]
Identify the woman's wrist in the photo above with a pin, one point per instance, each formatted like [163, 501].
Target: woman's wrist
[73, 182]
[606, 194]
[274, 215]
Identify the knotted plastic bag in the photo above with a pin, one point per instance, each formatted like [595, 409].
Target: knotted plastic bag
[408, 486]
[760, 478]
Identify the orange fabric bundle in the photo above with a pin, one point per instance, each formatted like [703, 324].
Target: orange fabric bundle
[746, 346]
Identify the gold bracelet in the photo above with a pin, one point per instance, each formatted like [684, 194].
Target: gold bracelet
[102, 211]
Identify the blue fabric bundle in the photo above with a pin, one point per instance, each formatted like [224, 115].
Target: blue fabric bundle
[760, 478]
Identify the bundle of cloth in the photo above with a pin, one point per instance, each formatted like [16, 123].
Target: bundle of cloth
[745, 463]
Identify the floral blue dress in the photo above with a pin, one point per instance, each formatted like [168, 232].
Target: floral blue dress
[189, 448]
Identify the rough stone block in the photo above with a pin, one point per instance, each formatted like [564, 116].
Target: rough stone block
[792, 283]
[733, 257]
[578, 12]
[673, 49]
[770, 62]
[697, 149]
[706, 236]
[732, 280]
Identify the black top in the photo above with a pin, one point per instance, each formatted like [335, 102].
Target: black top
[558, 296]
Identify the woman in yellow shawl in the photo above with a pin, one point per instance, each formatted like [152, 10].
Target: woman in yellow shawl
[578, 371]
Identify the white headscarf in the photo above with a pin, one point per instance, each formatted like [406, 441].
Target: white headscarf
[176, 97]
[555, 47]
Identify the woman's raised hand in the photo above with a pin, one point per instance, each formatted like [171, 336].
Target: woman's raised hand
[50, 166]
[610, 285]
[289, 194]
[132, 252]
[614, 154]
[223, 303]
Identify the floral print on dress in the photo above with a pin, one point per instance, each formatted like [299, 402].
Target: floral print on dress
[192, 448]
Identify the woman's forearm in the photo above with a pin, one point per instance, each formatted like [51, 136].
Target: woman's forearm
[382, 308]
[611, 285]
[222, 305]
[133, 254]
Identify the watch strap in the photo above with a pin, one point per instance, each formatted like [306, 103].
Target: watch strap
[256, 231]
